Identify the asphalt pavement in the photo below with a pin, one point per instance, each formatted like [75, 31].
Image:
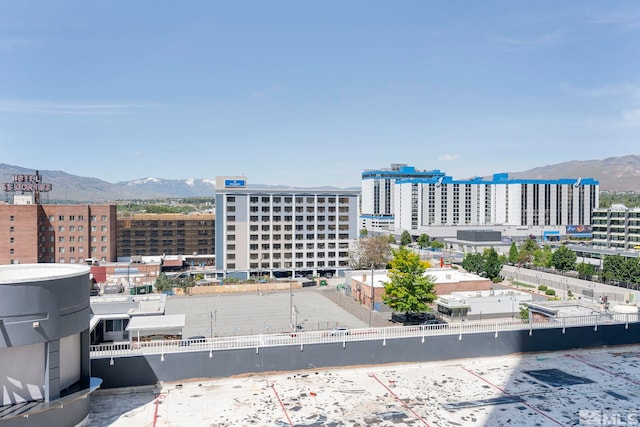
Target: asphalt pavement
[251, 313]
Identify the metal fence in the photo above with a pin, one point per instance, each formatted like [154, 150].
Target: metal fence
[301, 339]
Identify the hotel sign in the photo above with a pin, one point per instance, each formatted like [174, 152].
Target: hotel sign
[235, 183]
[29, 183]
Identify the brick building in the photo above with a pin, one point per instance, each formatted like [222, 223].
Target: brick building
[35, 233]
[169, 234]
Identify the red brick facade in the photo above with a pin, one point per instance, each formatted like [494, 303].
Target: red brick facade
[57, 233]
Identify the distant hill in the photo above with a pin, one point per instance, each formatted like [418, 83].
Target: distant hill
[614, 174]
[73, 188]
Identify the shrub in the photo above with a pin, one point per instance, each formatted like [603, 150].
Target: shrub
[497, 279]
[542, 288]
[550, 292]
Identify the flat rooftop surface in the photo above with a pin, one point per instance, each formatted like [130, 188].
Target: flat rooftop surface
[582, 387]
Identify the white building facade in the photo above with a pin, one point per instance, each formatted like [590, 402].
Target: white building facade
[617, 227]
[443, 201]
[378, 193]
[284, 231]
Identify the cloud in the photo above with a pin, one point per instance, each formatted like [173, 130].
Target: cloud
[625, 90]
[624, 20]
[55, 108]
[449, 157]
[542, 40]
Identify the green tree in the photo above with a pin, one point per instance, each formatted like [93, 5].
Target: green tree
[408, 289]
[527, 249]
[524, 313]
[405, 238]
[423, 240]
[364, 232]
[473, 262]
[392, 239]
[585, 271]
[513, 253]
[437, 244]
[163, 283]
[491, 263]
[563, 259]
[370, 251]
[542, 257]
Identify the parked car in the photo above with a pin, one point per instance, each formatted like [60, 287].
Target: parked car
[434, 322]
[339, 331]
[197, 339]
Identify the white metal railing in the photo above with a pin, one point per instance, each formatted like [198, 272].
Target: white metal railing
[366, 334]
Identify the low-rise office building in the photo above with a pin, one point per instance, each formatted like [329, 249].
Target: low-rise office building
[479, 305]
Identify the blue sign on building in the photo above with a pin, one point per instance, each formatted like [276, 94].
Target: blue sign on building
[235, 183]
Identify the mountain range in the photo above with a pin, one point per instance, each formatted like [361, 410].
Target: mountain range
[615, 174]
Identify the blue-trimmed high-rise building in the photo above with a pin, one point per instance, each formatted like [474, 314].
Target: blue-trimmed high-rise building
[378, 186]
[403, 198]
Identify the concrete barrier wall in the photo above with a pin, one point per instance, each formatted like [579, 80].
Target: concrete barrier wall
[147, 370]
[245, 287]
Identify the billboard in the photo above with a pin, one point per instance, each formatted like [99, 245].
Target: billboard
[579, 230]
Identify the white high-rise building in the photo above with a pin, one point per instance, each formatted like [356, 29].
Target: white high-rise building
[443, 201]
[284, 232]
[378, 193]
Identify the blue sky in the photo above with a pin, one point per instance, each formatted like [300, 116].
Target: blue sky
[312, 93]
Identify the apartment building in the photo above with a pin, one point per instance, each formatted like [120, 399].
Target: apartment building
[617, 227]
[443, 201]
[36, 233]
[284, 232]
[169, 234]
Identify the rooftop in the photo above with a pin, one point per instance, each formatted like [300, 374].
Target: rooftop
[545, 389]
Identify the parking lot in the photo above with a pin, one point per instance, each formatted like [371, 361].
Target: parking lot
[253, 313]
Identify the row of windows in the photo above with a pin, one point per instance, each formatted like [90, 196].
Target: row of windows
[289, 218]
[308, 236]
[78, 218]
[289, 199]
[298, 264]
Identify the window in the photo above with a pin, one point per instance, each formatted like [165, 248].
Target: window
[11, 218]
[232, 228]
[72, 217]
[231, 198]
[11, 240]
[72, 228]
[61, 250]
[103, 228]
[231, 217]
[80, 228]
[61, 239]
[93, 228]
[103, 218]
[61, 228]
[51, 218]
[93, 217]
[61, 218]
[103, 238]
[80, 217]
